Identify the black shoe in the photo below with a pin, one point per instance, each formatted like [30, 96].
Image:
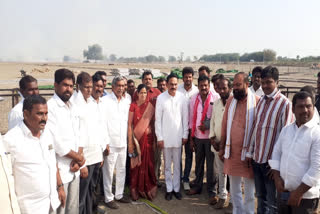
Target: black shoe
[177, 195]
[168, 196]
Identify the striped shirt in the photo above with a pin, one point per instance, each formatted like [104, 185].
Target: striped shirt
[273, 113]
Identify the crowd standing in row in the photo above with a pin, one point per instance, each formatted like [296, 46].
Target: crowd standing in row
[63, 153]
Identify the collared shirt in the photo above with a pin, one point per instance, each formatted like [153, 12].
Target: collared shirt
[171, 119]
[8, 199]
[198, 133]
[34, 169]
[188, 94]
[216, 119]
[258, 92]
[273, 113]
[63, 122]
[15, 115]
[93, 131]
[117, 113]
[297, 156]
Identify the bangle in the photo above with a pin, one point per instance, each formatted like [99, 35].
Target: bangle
[60, 185]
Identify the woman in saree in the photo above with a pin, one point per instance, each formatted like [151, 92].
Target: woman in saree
[141, 141]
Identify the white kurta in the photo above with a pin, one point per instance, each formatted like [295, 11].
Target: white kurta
[171, 119]
[15, 115]
[258, 92]
[34, 169]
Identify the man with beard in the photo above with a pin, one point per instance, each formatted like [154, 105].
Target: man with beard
[188, 89]
[273, 113]
[199, 123]
[38, 185]
[28, 86]
[171, 128]
[131, 87]
[63, 122]
[238, 119]
[162, 84]
[256, 81]
[116, 118]
[224, 88]
[295, 160]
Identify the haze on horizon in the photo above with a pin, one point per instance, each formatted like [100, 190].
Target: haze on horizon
[38, 30]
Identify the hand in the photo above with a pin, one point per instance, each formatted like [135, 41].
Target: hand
[248, 161]
[84, 172]
[74, 166]
[221, 154]
[192, 144]
[295, 198]
[106, 152]
[101, 164]
[270, 173]
[278, 181]
[82, 163]
[216, 146]
[161, 144]
[134, 162]
[62, 196]
[202, 127]
[184, 141]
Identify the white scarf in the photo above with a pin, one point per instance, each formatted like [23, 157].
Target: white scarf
[250, 114]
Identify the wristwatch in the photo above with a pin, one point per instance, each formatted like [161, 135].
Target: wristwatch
[132, 155]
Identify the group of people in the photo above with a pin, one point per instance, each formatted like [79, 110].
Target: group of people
[64, 152]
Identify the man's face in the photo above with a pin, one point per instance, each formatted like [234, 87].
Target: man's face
[203, 72]
[256, 79]
[240, 88]
[97, 90]
[204, 87]
[268, 85]
[131, 88]
[36, 119]
[224, 90]
[86, 89]
[31, 89]
[318, 85]
[303, 110]
[104, 78]
[118, 88]
[162, 86]
[64, 89]
[172, 86]
[147, 80]
[187, 79]
[216, 85]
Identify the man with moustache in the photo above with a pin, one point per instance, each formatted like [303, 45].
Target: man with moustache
[238, 119]
[171, 128]
[188, 89]
[116, 118]
[200, 112]
[103, 75]
[63, 122]
[256, 81]
[295, 160]
[205, 70]
[225, 88]
[28, 86]
[38, 185]
[93, 138]
[131, 87]
[162, 84]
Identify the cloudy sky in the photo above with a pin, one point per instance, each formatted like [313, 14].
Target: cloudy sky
[36, 30]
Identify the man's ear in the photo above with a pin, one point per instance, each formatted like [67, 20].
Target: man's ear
[26, 114]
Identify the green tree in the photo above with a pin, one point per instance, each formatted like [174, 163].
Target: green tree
[269, 55]
[94, 52]
[113, 57]
[172, 59]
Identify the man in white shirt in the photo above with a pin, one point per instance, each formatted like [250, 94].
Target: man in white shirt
[63, 122]
[92, 135]
[256, 81]
[296, 159]
[171, 128]
[117, 112]
[188, 89]
[37, 181]
[28, 86]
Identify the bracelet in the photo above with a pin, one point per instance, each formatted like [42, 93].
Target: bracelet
[58, 187]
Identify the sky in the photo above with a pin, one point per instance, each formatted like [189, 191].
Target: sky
[38, 30]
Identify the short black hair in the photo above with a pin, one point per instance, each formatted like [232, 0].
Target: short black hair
[216, 77]
[161, 79]
[101, 73]
[96, 77]
[141, 86]
[130, 81]
[83, 77]
[270, 71]
[257, 69]
[245, 76]
[228, 80]
[62, 74]
[301, 95]
[34, 99]
[187, 70]
[310, 89]
[146, 73]
[25, 80]
[172, 75]
[203, 78]
[206, 68]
